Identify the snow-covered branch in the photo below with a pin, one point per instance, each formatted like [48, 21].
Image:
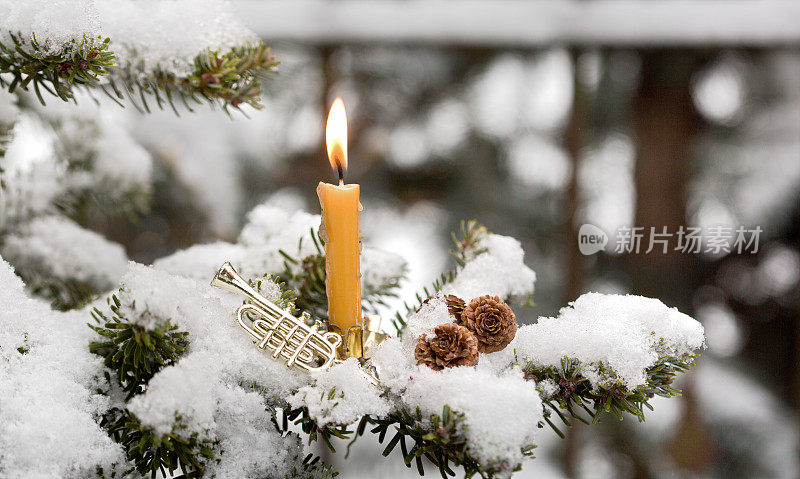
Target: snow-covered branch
[177, 50]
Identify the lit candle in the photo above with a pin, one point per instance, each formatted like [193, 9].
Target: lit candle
[339, 230]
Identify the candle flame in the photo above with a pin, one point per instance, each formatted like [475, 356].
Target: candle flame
[336, 137]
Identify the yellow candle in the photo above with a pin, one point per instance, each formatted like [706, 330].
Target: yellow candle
[339, 229]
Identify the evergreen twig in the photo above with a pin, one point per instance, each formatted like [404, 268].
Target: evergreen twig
[576, 398]
[133, 352]
[437, 438]
[56, 71]
[228, 79]
[307, 277]
[63, 293]
[158, 455]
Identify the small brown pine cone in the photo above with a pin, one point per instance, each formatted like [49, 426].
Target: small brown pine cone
[455, 306]
[452, 346]
[492, 321]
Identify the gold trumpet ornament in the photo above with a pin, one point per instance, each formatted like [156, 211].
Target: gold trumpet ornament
[301, 342]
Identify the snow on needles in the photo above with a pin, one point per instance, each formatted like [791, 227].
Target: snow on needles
[341, 395]
[167, 34]
[498, 271]
[49, 402]
[56, 22]
[59, 247]
[171, 33]
[625, 333]
[209, 386]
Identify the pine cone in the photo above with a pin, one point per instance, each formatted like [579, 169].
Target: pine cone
[452, 346]
[492, 321]
[455, 306]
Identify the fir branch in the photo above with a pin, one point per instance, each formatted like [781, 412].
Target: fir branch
[438, 438]
[288, 295]
[575, 395]
[307, 278]
[63, 294]
[228, 79]
[399, 320]
[312, 466]
[157, 455]
[301, 417]
[57, 71]
[108, 197]
[134, 352]
[467, 246]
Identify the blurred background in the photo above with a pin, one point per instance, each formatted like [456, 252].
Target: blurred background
[535, 118]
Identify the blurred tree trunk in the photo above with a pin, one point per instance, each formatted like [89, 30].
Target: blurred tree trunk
[666, 124]
[574, 140]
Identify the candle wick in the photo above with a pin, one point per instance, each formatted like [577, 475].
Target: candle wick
[340, 170]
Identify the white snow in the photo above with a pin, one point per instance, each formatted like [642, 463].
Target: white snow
[501, 411]
[210, 386]
[500, 271]
[341, 395]
[180, 390]
[219, 353]
[8, 109]
[100, 133]
[48, 404]
[500, 407]
[197, 151]
[31, 173]
[249, 445]
[55, 22]
[167, 34]
[626, 333]
[200, 262]
[171, 33]
[269, 226]
[60, 248]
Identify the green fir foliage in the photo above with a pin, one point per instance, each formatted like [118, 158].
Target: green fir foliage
[438, 438]
[158, 455]
[228, 79]
[63, 294]
[30, 63]
[576, 399]
[133, 352]
[306, 276]
[374, 297]
[288, 295]
[300, 417]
